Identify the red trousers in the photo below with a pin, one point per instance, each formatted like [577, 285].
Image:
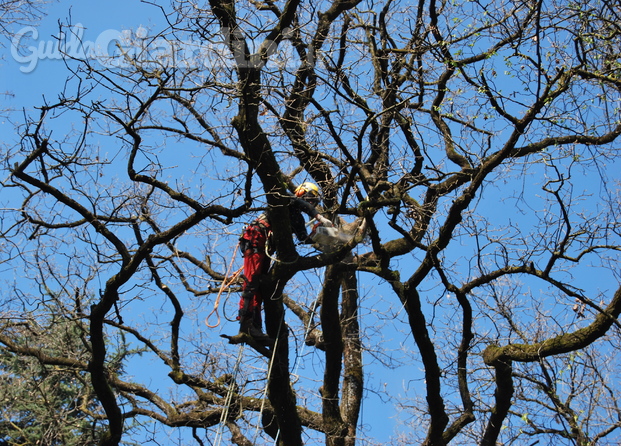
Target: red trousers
[256, 263]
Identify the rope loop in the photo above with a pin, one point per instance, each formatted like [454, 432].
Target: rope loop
[226, 284]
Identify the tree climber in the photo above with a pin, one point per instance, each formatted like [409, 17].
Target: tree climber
[254, 244]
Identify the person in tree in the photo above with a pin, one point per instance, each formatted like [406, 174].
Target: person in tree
[254, 246]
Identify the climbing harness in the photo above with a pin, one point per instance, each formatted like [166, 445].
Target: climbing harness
[256, 234]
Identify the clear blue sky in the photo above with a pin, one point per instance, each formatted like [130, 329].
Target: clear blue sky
[99, 19]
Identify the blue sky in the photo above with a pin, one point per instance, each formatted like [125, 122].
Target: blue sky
[47, 77]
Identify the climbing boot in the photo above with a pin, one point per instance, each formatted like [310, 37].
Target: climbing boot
[247, 326]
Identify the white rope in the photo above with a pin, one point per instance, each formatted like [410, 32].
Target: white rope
[229, 398]
[297, 362]
[269, 373]
[277, 260]
[271, 364]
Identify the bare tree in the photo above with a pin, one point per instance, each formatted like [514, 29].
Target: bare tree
[475, 144]
[14, 13]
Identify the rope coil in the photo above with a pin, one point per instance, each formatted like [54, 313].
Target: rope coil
[226, 284]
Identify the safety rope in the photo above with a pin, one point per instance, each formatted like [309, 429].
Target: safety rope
[226, 284]
[277, 260]
[229, 398]
[295, 369]
[269, 373]
[297, 365]
[270, 367]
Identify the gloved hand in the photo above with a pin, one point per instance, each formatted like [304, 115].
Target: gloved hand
[324, 221]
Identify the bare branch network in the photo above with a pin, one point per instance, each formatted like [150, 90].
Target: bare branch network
[470, 152]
